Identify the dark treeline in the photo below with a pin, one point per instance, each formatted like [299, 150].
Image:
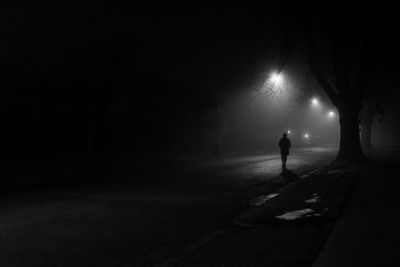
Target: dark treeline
[96, 104]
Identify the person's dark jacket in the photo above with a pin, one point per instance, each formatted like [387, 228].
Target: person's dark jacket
[284, 144]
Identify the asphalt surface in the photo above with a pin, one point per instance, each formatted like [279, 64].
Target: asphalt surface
[131, 222]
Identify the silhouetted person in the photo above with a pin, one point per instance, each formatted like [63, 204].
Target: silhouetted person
[284, 145]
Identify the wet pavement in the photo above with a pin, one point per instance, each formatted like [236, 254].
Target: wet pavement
[125, 223]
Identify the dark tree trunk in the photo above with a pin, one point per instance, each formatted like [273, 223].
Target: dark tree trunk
[366, 128]
[350, 145]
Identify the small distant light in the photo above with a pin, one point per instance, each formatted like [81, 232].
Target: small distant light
[289, 131]
[314, 101]
[306, 136]
[331, 114]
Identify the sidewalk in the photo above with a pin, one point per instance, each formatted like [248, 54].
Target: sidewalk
[368, 233]
[263, 236]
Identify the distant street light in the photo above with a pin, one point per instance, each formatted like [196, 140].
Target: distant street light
[306, 136]
[315, 102]
[331, 114]
[289, 131]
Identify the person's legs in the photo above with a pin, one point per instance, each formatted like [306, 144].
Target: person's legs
[284, 159]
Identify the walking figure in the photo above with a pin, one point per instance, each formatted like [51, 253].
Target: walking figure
[284, 145]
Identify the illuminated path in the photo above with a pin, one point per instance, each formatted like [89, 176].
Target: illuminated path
[128, 223]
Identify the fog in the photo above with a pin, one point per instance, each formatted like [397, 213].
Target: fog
[253, 116]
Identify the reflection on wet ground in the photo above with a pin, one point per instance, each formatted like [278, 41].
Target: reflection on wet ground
[258, 201]
[296, 214]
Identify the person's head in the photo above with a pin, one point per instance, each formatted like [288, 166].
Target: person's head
[284, 135]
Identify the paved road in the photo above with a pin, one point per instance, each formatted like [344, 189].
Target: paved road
[126, 223]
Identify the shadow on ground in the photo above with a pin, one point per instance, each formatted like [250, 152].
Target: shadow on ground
[288, 175]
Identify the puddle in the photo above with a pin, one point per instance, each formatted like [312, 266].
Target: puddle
[314, 199]
[258, 201]
[293, 215]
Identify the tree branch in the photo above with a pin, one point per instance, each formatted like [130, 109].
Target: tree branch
[325, 84]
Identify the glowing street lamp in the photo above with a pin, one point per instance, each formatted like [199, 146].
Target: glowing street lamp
[306, 136]
[315, 102]
[289, 131]
[276, 79]
[331, 114]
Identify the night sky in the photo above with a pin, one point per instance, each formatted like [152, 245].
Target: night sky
[176, 61]
[207, 47]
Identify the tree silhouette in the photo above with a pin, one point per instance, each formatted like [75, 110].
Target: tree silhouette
[342, 52]
[345, 56]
